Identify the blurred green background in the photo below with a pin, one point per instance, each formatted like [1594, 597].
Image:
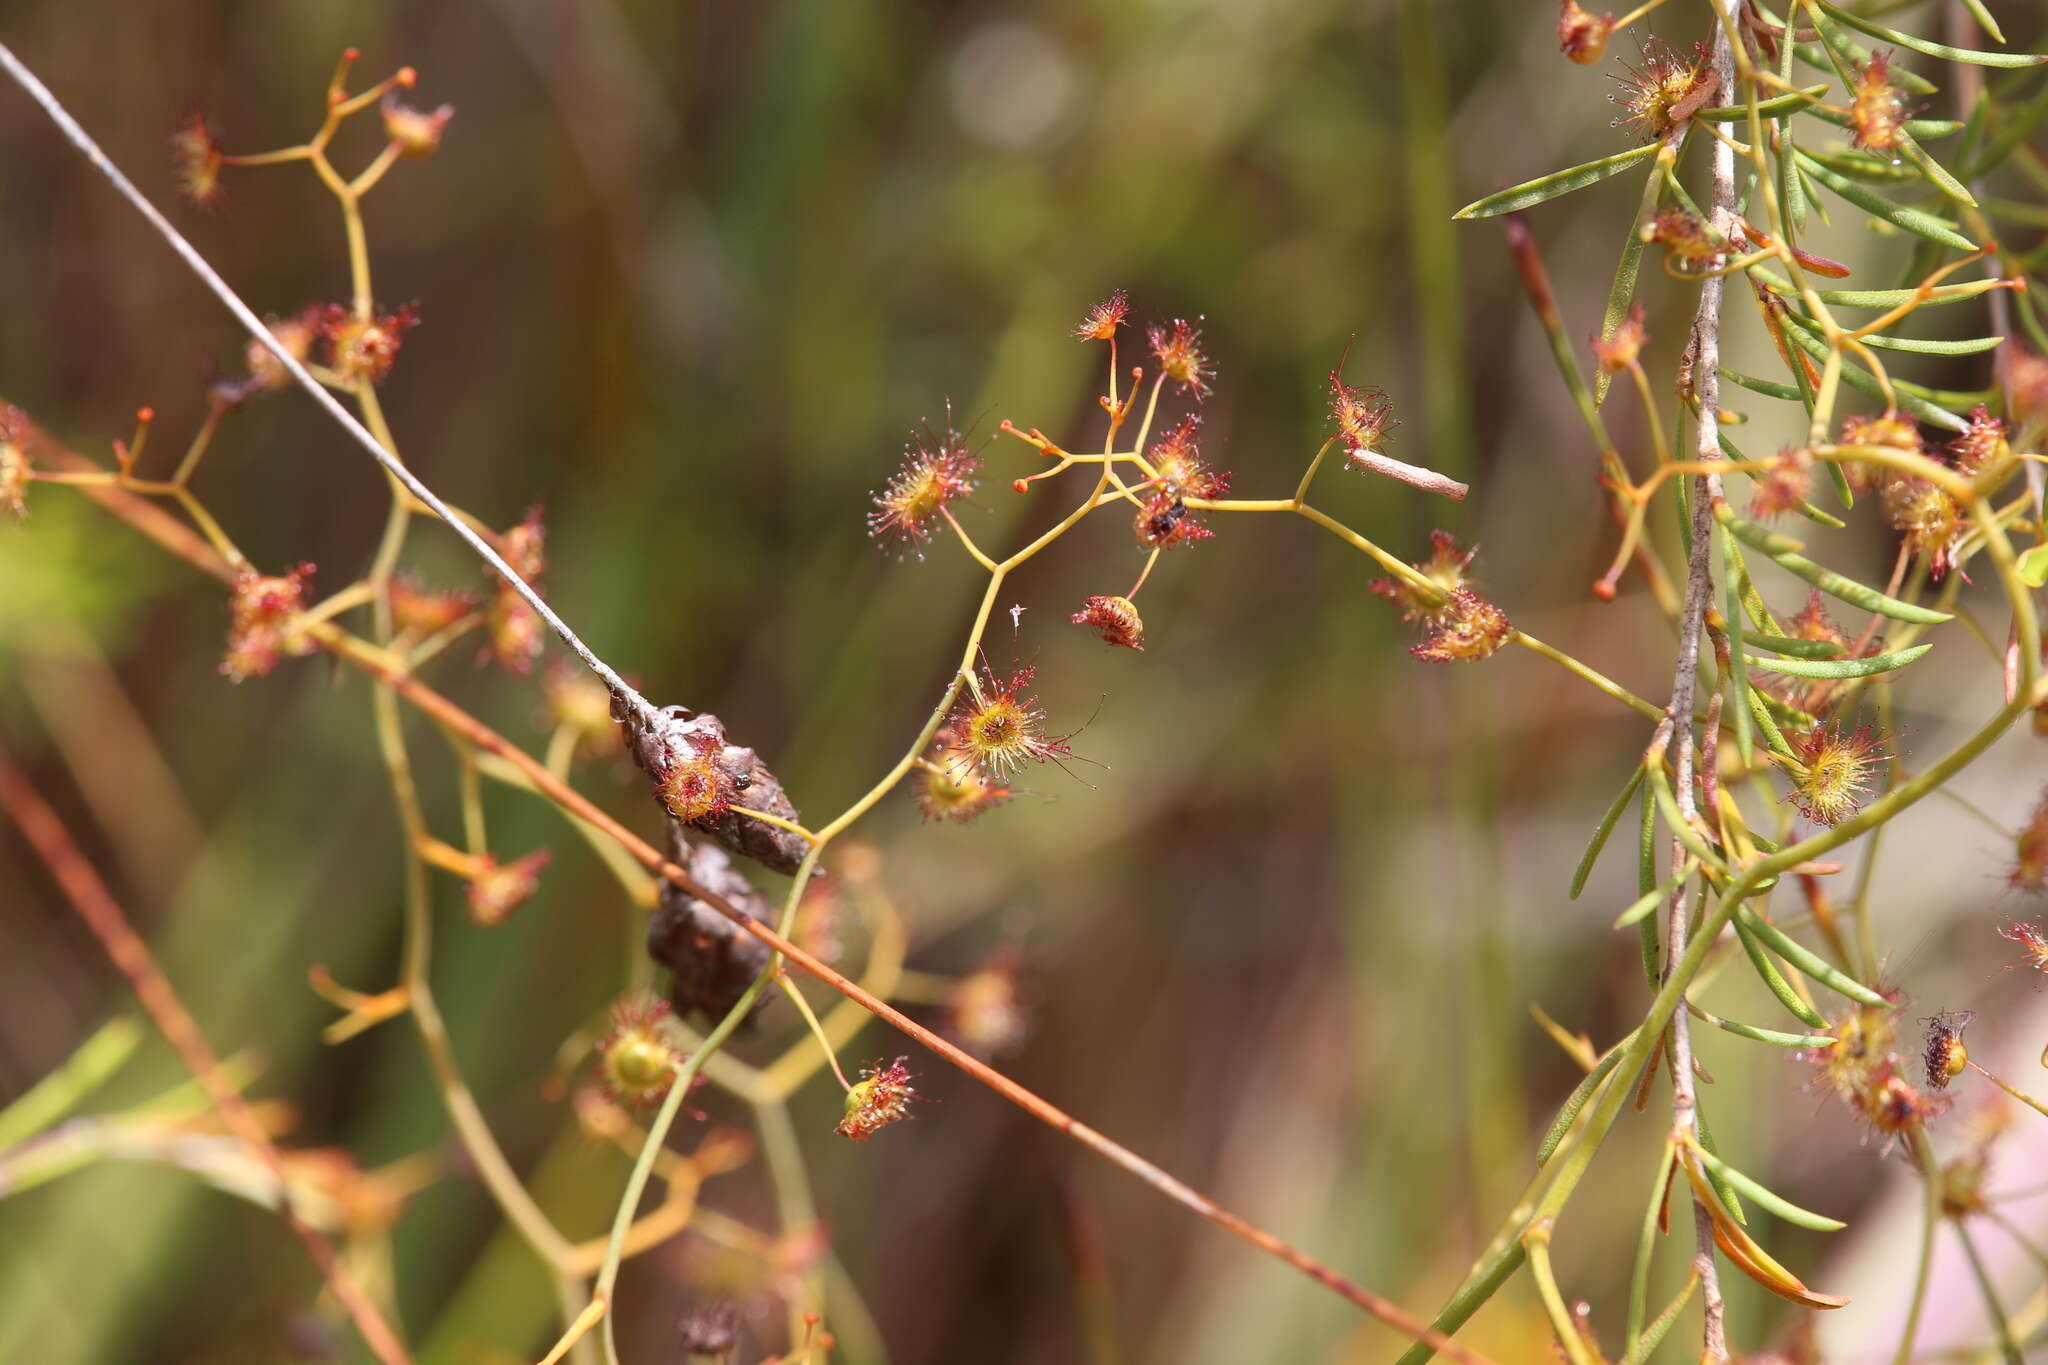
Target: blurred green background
[688, 277]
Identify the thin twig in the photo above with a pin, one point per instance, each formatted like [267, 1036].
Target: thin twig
[94, 904]
[1706, 490]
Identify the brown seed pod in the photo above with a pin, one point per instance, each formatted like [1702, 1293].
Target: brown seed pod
[713, 959]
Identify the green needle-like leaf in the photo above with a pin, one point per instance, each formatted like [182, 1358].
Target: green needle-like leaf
[1536, 191]
[1929, 47]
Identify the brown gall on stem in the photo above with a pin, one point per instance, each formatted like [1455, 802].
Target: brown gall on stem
[698, 775]
[712, 960]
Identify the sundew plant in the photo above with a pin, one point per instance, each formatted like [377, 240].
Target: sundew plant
[1772, 751]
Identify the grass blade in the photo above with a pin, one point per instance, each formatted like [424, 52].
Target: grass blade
[1881, 299]
[1983, 16]
[1769, 388]
[1928, 47]
[1605, 828]
[1766, 1198]
[1767, 1035]
[1967, 346]
[1767, 971]
[1844, 668]
[1915, 221]
[1738, 663]
[1622, 292]
[1834, 584]
[1650, 899]
[1546, 187]
[1911, 397]
[1808, 961]
[1576, 1101]
[1653, 1335]
[1798, 649]
[1934, 170]
[1789, 102]
[1830, 58]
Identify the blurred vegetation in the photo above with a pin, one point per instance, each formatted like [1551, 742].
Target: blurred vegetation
[688, 277]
